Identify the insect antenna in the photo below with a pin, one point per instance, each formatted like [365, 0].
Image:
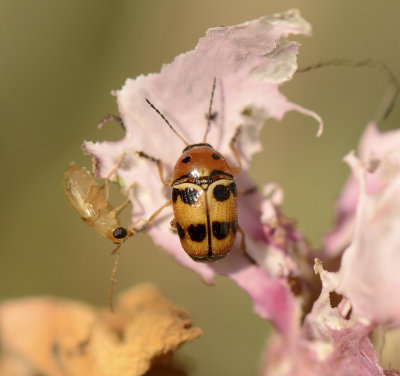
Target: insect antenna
[117, 251]
[166, 120]
[209, 115]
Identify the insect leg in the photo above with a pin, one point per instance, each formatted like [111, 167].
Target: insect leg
[243, 246]
[248, 191]
[117, 250]
[159, 166]
[158, 211]
[235, 151]
[148, 221]
[126, 202]
[107, 178]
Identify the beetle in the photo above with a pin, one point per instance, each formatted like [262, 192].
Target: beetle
[204, 196]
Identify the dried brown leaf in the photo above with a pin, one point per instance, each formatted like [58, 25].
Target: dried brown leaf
[50, 336]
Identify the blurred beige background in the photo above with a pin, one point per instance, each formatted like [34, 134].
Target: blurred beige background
[59, 62]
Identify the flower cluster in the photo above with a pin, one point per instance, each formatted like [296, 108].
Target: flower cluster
[249, 62]
[318, 330]
[358, 302]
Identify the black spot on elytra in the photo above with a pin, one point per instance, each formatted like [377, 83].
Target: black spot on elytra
[233, 188]
[175, 194]
[120, 233]
[234, 226]
[220, 230]
[189, 195]
[181, 231]
[221, 192]
[216, 156]
[187, 159]
[197, 232]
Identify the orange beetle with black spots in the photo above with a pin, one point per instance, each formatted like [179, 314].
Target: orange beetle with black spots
[204, 197]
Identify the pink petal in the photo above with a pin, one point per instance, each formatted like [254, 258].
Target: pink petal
[328, 344]
[373, 146]
[370, 265]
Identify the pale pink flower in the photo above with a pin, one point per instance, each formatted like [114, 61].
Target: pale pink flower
[373, 146]
[361, 297]
[369, 272]
[330, 343]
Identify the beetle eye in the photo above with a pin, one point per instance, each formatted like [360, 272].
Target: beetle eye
[120, 233]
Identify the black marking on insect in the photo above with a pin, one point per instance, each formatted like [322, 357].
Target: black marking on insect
[234, 226]
[188, 147]
[175, 194]
[198, 232]
[120, 233]
[189, 195]
[221, 192]
[219, 172]
[233, 189]
[220, 229]
[181, 231]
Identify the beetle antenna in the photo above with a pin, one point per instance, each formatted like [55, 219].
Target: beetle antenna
[209, 111]
[166, 120]
[117, 250]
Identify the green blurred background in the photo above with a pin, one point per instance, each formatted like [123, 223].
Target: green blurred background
[59, 62]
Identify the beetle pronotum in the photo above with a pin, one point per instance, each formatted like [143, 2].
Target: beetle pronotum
[204, 195]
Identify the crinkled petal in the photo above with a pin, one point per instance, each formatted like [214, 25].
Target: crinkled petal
[373, 146]
[329, 343]
[370, 265]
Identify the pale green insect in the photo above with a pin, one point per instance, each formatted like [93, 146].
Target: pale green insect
[88, 200]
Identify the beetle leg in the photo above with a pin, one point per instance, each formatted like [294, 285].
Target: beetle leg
[148, 221]
[158, 211]
[107, 178]
[235, 152]
[159, 166]
[243, 246]
[248, 191]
